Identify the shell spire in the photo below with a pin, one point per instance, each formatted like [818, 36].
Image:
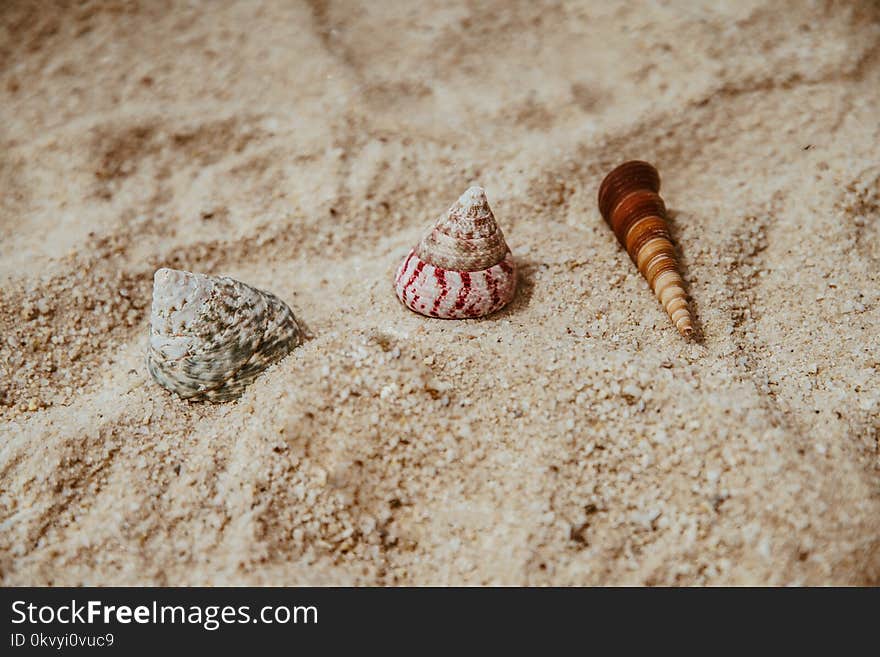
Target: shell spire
[630, 203]
[210, 337]
[462, 267]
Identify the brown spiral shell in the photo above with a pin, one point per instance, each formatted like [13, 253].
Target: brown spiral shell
[630, 203]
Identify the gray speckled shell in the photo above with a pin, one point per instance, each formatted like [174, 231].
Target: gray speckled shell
[210, 337]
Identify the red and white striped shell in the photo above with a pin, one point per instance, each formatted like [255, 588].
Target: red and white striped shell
[462, 268]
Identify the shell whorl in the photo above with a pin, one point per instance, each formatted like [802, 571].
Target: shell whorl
[630, 203]
[462, 268]
[466, 237]
[210, 337]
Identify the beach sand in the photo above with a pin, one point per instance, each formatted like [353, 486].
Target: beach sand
[572, 438]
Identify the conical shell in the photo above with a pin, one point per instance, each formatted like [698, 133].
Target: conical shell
[210, 337]
[630, 202]
[462, 267]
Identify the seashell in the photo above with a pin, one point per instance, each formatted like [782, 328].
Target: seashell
[462, 267]
[210, 337]
[630, 203]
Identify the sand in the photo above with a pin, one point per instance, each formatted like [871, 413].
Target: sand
[572, 438]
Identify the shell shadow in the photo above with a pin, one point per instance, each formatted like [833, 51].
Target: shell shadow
[674, 232]
[525, 287]
[307, 332]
